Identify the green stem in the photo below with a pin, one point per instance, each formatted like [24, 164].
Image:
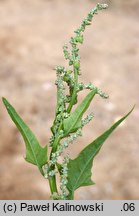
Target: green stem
[56, 141]
[52, 184]
[74, 91]
[52, 180]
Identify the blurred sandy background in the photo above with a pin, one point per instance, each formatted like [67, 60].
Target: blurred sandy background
[31, 37]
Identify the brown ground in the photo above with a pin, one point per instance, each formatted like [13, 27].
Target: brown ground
[31, 36]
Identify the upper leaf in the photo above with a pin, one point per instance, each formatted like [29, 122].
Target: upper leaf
[35, 154]
[73, 122]
[79, 169]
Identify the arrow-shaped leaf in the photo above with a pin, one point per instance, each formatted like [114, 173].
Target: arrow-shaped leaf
[73, 122]
[79, 169]
[35, 154]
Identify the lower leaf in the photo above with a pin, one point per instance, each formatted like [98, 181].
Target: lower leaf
[35, 154]
[79, 169]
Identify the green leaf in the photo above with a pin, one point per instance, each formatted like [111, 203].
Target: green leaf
[79, 169]
[73, 122]
[35, 154]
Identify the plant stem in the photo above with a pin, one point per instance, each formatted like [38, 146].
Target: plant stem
[52, 184]
[74, 91]
[52, 180]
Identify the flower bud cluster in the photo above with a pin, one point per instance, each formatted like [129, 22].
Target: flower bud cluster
[60, 101]
[90, 86]
[60, 88]
[60, 149]
[60, 70]
[47, 172]
[74, 58]
[87, 21]
[82, 86]
[72, 138]
[64, 75]
[64, 145]
[55, 196]
[63, 179]
[87, 119]
[66, 52]
[101, 6]
[102, 94]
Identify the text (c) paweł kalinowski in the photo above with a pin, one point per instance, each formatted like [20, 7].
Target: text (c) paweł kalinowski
[97, 207]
